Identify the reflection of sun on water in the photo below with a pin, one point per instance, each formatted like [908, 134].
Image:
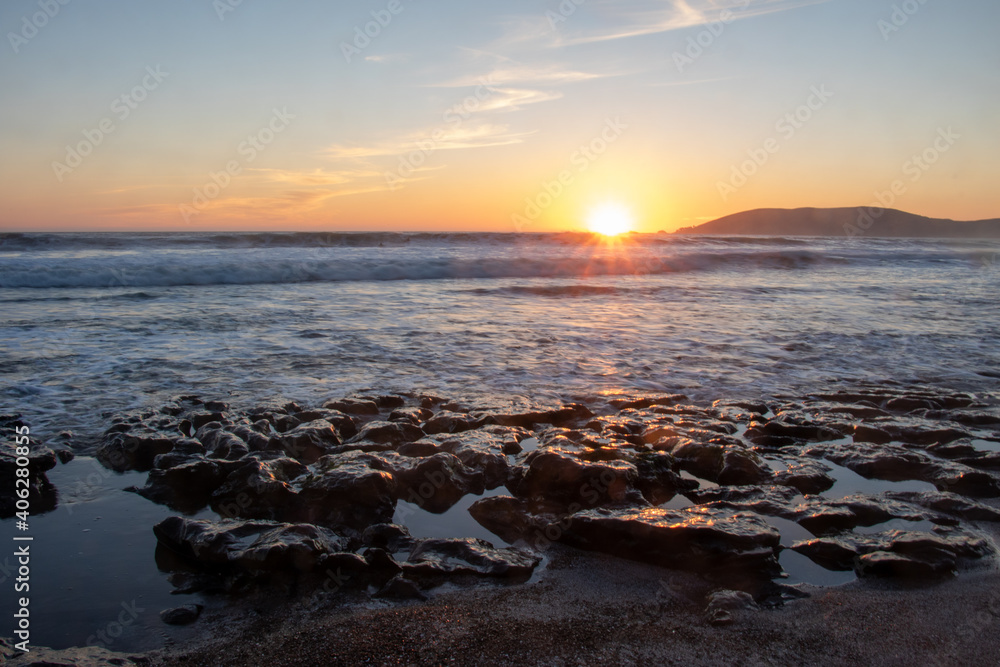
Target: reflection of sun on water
[610, 220]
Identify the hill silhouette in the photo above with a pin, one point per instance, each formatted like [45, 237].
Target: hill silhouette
[846, 222]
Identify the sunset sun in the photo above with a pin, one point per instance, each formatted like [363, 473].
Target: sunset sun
[610, 220]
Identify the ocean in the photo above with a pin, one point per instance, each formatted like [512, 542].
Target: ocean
[106, 322]
[98, 324]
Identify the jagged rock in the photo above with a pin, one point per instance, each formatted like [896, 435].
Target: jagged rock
[252, 546]
[807, 478]
[388, 433]
[694, 538]
[435, 483]
[133, 448]
[388, 536]
[351, 489]
[260, 490]
[513, 519]
[896, 553]
[307, 442]
[641, 403]
[948, 503]
[435, 557]
[451, 422]
[557, 417]
[560, 477]
[415, 416]
[186, 487]
[353, 406]
[41, 493]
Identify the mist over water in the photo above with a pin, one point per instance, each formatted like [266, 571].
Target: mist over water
[104, 322]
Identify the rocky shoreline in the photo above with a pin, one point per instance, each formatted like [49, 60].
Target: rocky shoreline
[306, 496]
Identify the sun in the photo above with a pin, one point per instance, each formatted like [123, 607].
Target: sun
[610, 220]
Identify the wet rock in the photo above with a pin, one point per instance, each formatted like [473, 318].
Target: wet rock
[484, 452]
[252, 546]
[435, 557]
[696, 538]
[401, 588]
[186, 487]
[353, 406]
[352, 489]
[419, 448]
[199, 419]
[701, 459]
[388, 433]
[434, 483]
[658, 479]
[221, 443]
[807, 478]
[451, 422]
[415, 416]
[41, 493]
[568, 413]
[948, 503]
[904, 554]
[740, 466]
[260, 490]
[513, 519]
[185, 615]
[388, 536]
[642, 403]
[133, 447]
[560, 477]
[91, 656]
[255, 439]
[307, 442]
[722, 604]
[778, 433]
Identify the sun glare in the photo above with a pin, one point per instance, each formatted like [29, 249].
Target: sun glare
[610, 220]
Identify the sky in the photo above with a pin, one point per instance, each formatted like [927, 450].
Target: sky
[521, 116]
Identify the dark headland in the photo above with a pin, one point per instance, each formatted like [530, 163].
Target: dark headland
[845, 222]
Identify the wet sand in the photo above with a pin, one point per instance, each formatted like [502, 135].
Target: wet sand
[593, 609]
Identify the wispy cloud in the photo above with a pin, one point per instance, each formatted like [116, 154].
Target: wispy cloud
[477, 136]
[656, 17]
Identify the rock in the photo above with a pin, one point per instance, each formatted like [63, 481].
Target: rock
[451, 422]
[260, 490]
[42, 495]
[221, 443]
[896, 553]
[807, 478]
[702, 538]
[419, 448]
[388, 536]
[435, 557]
[560, 477]
[948, 503]
[186, 487]
[658, 480]
[701, 459]
[134, 448]
[307, 442]
[740, 467]
[722, 604]
[91, 656]
[434, 483]
[513, 519]
[352, 489]
[415, 416]
[568, 413]
[185, 615]
[388, 433]
[778, 432]
[401, 588]
[641, 403]
[251, 546]
[353, 406]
